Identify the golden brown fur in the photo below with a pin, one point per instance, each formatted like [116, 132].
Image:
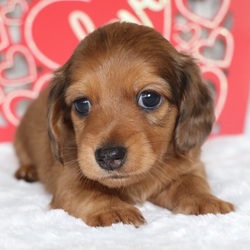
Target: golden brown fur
[112, 67]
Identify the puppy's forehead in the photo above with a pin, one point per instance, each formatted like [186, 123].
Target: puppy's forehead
[120, 58]
[115, 76]
[124, 42]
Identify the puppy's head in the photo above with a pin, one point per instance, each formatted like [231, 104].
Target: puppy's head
[124, 99]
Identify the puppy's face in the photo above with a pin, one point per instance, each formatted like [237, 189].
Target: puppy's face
[122, 118]
[120, 98]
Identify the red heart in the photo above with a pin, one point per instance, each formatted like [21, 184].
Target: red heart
[182, 6]
[68, 21]
[10, 63]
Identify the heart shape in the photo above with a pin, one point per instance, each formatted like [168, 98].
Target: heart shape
[216, 35]
[13, 101]
[13, 12]
[4, 39]
[182, 6]
[77, 18]
[11, 64]
[217, 78]
[187, 35]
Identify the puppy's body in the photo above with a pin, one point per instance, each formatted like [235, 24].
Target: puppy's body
[126, 117]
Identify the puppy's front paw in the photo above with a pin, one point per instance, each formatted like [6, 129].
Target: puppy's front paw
[203, 204]
[128, 215]
[27, 173]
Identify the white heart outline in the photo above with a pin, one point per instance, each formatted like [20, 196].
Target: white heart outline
[8, 62]
[167, 20]
[187, 28]
[23, 93]
[4, 42]
[223, 84]
[9, 98]
[10, 7]
[202, 20]
[208, 42]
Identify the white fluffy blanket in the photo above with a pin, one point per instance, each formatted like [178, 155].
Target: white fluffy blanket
[27, 223]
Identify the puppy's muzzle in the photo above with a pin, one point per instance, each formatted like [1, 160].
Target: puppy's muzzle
[110, 158]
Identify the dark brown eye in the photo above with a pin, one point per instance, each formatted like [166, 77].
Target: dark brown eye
[149, 100]
[82, 106]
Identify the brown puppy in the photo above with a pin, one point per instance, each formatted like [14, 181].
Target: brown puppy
[124, 122]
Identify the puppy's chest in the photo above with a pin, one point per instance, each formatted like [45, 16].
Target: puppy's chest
[156, 181]
[141, 192]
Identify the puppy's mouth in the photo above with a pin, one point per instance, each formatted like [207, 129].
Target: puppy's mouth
[119, 177]
[118, 180]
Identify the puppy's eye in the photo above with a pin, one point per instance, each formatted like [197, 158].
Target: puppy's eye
[82, 106]
[149, 100]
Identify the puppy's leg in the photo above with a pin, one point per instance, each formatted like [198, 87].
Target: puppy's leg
[93, 203]
[27, 170]
[190, 194]
[27, 173]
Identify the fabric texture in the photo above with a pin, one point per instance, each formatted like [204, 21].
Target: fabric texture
[26, 222]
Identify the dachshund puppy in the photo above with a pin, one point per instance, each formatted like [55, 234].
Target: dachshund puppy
[122, 123]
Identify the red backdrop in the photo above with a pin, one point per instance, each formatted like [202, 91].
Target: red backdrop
[51, 29]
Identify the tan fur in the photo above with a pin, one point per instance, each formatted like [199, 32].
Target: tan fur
[111, 67]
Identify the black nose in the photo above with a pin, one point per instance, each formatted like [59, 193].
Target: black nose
[110, 158]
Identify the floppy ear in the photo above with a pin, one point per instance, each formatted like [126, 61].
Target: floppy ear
[60, 128]
[196, 109]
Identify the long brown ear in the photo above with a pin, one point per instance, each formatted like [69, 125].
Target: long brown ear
[196, 115]
[60, 127]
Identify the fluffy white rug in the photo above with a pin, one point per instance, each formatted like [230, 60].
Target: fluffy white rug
[27, 223]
